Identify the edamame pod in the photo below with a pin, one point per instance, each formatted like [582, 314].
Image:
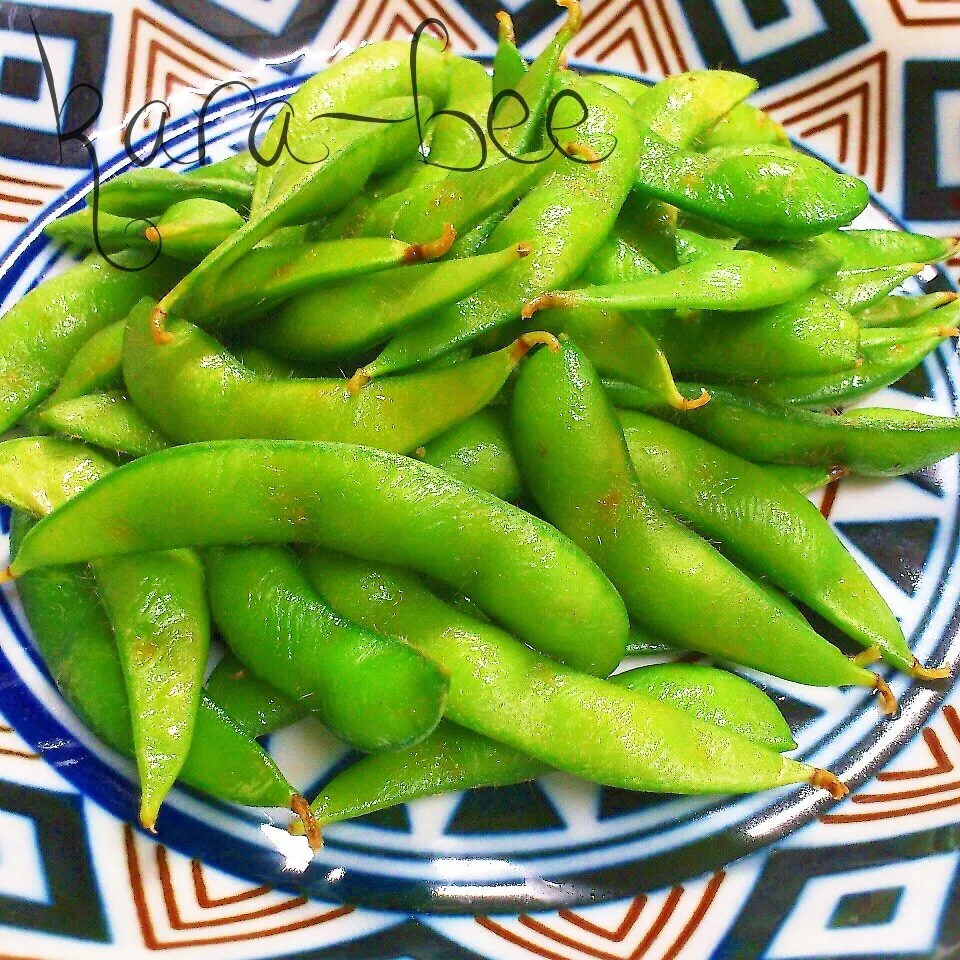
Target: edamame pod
[453, 142]
[454, 758]
[584, 725]
[869, 249]
[873, 442]
[149, 191]
[743, 126]
[737, 280]
[615, 261]
[108, 420]
[194, 389]
[572, 209]
[42, 331]
[649, 227]
[75, 638]
[477, 451]
[805, 479]
[97, 365]
[373, 504]
[186, 231]
[375, 692]
[630, 89]
[767, 192]
[508, 65]
[893, 310]
[619, 347]
[462, 200]
[268, 275]
[856, 290]
[252, 704]
[157, 604]
[810, 334]
[342, 319]
[575, 461]
[881, 366]
[765, 526]
[680, 107]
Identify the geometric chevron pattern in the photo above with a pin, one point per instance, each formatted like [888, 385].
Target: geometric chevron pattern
[872, 85]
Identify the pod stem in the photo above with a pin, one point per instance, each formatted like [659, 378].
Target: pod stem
[581, 150]
[505, 31]
[574, 20]
[920, 672]
[527, 341]
[682, 403]
[358, 381]
[838, 473]
[888, 702]
[300, 807]
[544, 302]
[830, 782]
[158, 327]
[867, 657]
[433, 249]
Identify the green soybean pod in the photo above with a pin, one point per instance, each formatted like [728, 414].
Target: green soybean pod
[682, 106]
[149, 191]
[648, 226]
[630, 89]
[375, 692]
[894, 310]
[810, 334]
[574, 458]
[737, 280]
[75, 639]
[342, 319]
[580, 724]
[743, 126]
[462, 199]
[477, 451]
[455, 758]
[766, 527]
[869, 249]
[158, 606]
[257, 708]
[570, 210]
[881, 367]
[97, 365]
[855, 290]
[42, 331]
[805, 479]
[268, 275]
[107, 420]
[869, 441]
[346, 497]
[454, 143]
[621, 348]
[768, 192]
[194, 389]
[186, 231]
[508, 64]
[616, 260]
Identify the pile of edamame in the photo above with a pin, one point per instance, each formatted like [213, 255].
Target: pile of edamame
[432, 440]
